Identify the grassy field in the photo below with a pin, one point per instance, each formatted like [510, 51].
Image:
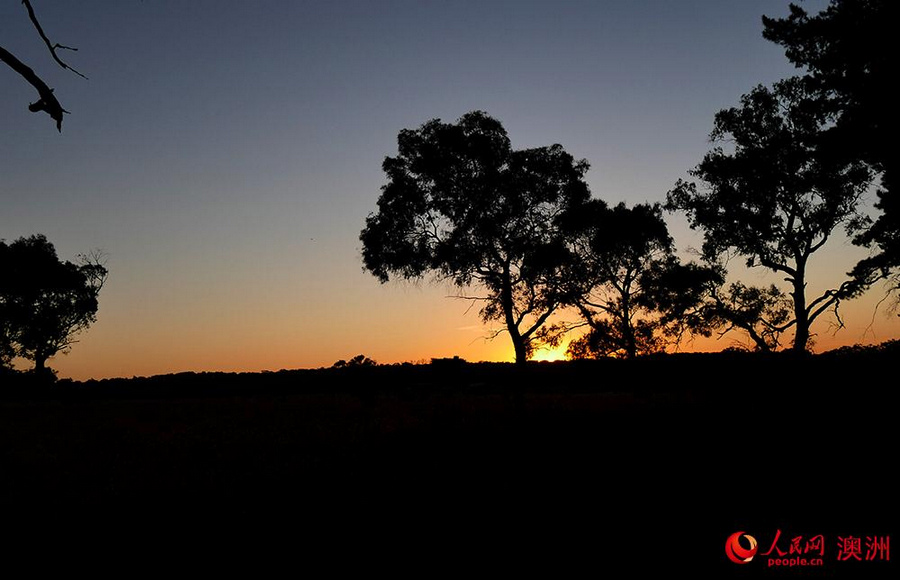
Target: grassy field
[653, 461]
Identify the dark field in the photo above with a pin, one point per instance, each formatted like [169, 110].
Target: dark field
[589, 467]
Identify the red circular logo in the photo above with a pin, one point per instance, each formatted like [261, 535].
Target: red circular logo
[737, 553]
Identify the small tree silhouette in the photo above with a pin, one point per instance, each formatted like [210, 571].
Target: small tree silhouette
[359, 360]
[45, 302]
[633, 293]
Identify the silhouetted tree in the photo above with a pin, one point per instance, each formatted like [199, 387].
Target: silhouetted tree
[7, 347]
[695, 298]
[461, 204]
[847, 50]
[627, 271]
[47, 101]
[45, 302]
[359, 360]
[776, 195]
[763, 313]
[681, 294]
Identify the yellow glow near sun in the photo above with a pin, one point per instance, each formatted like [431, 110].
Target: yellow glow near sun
[551, 354]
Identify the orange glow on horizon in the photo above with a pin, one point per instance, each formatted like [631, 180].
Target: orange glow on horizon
[405, 325]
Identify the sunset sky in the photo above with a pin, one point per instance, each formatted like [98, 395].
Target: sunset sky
[225, 155]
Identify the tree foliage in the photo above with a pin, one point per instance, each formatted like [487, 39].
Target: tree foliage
[777, 195]
[44, 301]
[7, 346]
[461, 204]
[764, 313]
[847, 51]
[633, 293]
[358, 361]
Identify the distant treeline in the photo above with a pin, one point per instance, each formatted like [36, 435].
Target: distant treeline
[724, 372]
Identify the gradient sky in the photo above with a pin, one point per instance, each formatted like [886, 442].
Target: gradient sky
[225, 155]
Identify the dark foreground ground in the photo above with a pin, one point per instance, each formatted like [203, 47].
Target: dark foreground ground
[609, 469]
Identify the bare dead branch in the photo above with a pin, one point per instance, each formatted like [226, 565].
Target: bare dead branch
[871, 324]
[826, 300]
[47, 101]
[50, 46]
[834, 297]
[839, 325]
[492, 334]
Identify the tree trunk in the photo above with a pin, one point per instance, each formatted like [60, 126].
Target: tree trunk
[801, 337]
[630, 344]
[40, 363]
[761, 344]
[506, 301]
[520, 348]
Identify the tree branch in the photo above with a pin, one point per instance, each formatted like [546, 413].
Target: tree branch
[605, 307]
[778, 328]
[541, 319]
[52, 47]
[474, 298]
[828, 297]
[832, 297]
[524, 314]
[835, 299]
[776, 267]
[837, 315]
[817, 245]
[47, 102]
